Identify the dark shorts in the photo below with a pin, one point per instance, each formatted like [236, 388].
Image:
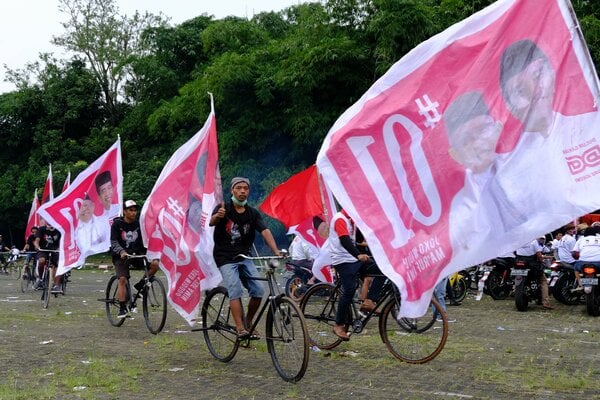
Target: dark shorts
[49, 256]
[122, 267]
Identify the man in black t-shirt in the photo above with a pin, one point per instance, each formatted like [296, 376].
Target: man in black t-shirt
[30, 247]
[235, 226]
[126, 239]
[48, 238]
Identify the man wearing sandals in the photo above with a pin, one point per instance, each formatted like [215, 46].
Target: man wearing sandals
[235, 225]
[349, 263]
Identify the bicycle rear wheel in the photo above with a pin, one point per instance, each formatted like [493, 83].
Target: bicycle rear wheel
[287, 339]
[413, 340]
[46, 287]
[319, 306]
[218, 326]
[15, 270]
[112, 302]
[155, 305]
[27, 280]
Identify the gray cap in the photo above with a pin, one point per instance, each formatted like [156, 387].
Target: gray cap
[239, 179]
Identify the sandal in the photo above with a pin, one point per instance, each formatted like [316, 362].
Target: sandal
[243, 334]
[254, 335]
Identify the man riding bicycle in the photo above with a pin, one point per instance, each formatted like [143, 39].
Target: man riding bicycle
[349, 263]
[126, 239]
[235, 226]
[48, 238]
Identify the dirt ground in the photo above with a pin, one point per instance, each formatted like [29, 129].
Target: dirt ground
[70, 351]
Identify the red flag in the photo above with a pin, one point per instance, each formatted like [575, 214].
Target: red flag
[83, 213]
[32, 220]
[48, 193]
[296, 199]
[175, 219]
[302, 204]
[430, 203]
[67, 182]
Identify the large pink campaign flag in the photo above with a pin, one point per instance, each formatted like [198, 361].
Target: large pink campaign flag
[84, 212]
[175, 219]
[476, 142]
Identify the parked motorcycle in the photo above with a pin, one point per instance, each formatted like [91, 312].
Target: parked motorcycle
[564, 286]
[589, 281]
[526, 284]
[500, 282]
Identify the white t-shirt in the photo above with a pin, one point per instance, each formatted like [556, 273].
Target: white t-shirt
[588, 248]
[565, 247]
[530, 249]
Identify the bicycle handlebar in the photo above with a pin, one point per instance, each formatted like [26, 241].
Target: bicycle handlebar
[49, 251]
[265, 258]
[133, 256]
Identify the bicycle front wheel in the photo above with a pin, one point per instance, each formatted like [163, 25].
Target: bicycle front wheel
[413, 340]
[155, 306]
[287, 339]
[218, 326]
[319, 306]
[112, 302]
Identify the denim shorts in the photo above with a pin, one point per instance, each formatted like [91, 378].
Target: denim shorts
[234, 276]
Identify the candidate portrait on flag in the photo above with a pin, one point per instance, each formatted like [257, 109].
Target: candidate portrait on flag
[477, 141]
[84, 211]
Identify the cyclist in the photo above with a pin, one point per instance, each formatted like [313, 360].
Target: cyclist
[235, 226]
[126, 239]
[349, 264]
[29, 247]
[2, 259]
[48, 238]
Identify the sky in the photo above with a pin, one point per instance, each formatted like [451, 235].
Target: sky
[27, 26]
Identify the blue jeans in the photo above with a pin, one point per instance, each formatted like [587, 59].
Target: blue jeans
[235, 276]
[579, 264]
[440, 294]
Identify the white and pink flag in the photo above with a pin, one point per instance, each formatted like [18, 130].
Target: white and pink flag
[476, 142]
[84, 212]
[48, 192]
[32, 220]
[175, 219]
[67, 182]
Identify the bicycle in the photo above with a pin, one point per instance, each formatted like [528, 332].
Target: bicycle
[28, 276]
[12, 266]
[45, 278]
[153, 295]
[286, 333]
[413, 340]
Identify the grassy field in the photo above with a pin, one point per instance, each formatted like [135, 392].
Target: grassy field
[70, 351]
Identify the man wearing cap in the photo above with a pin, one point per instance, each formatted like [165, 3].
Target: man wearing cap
[126, 239]
[235, 225]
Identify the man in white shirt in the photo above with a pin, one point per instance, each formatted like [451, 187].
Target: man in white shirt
[587, 247]
[531, 253]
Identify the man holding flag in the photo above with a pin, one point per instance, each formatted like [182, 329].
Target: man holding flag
[235, 224]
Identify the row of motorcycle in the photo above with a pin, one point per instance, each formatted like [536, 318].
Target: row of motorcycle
[501, 278]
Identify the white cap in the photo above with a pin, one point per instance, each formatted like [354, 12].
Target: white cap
[130, 203]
